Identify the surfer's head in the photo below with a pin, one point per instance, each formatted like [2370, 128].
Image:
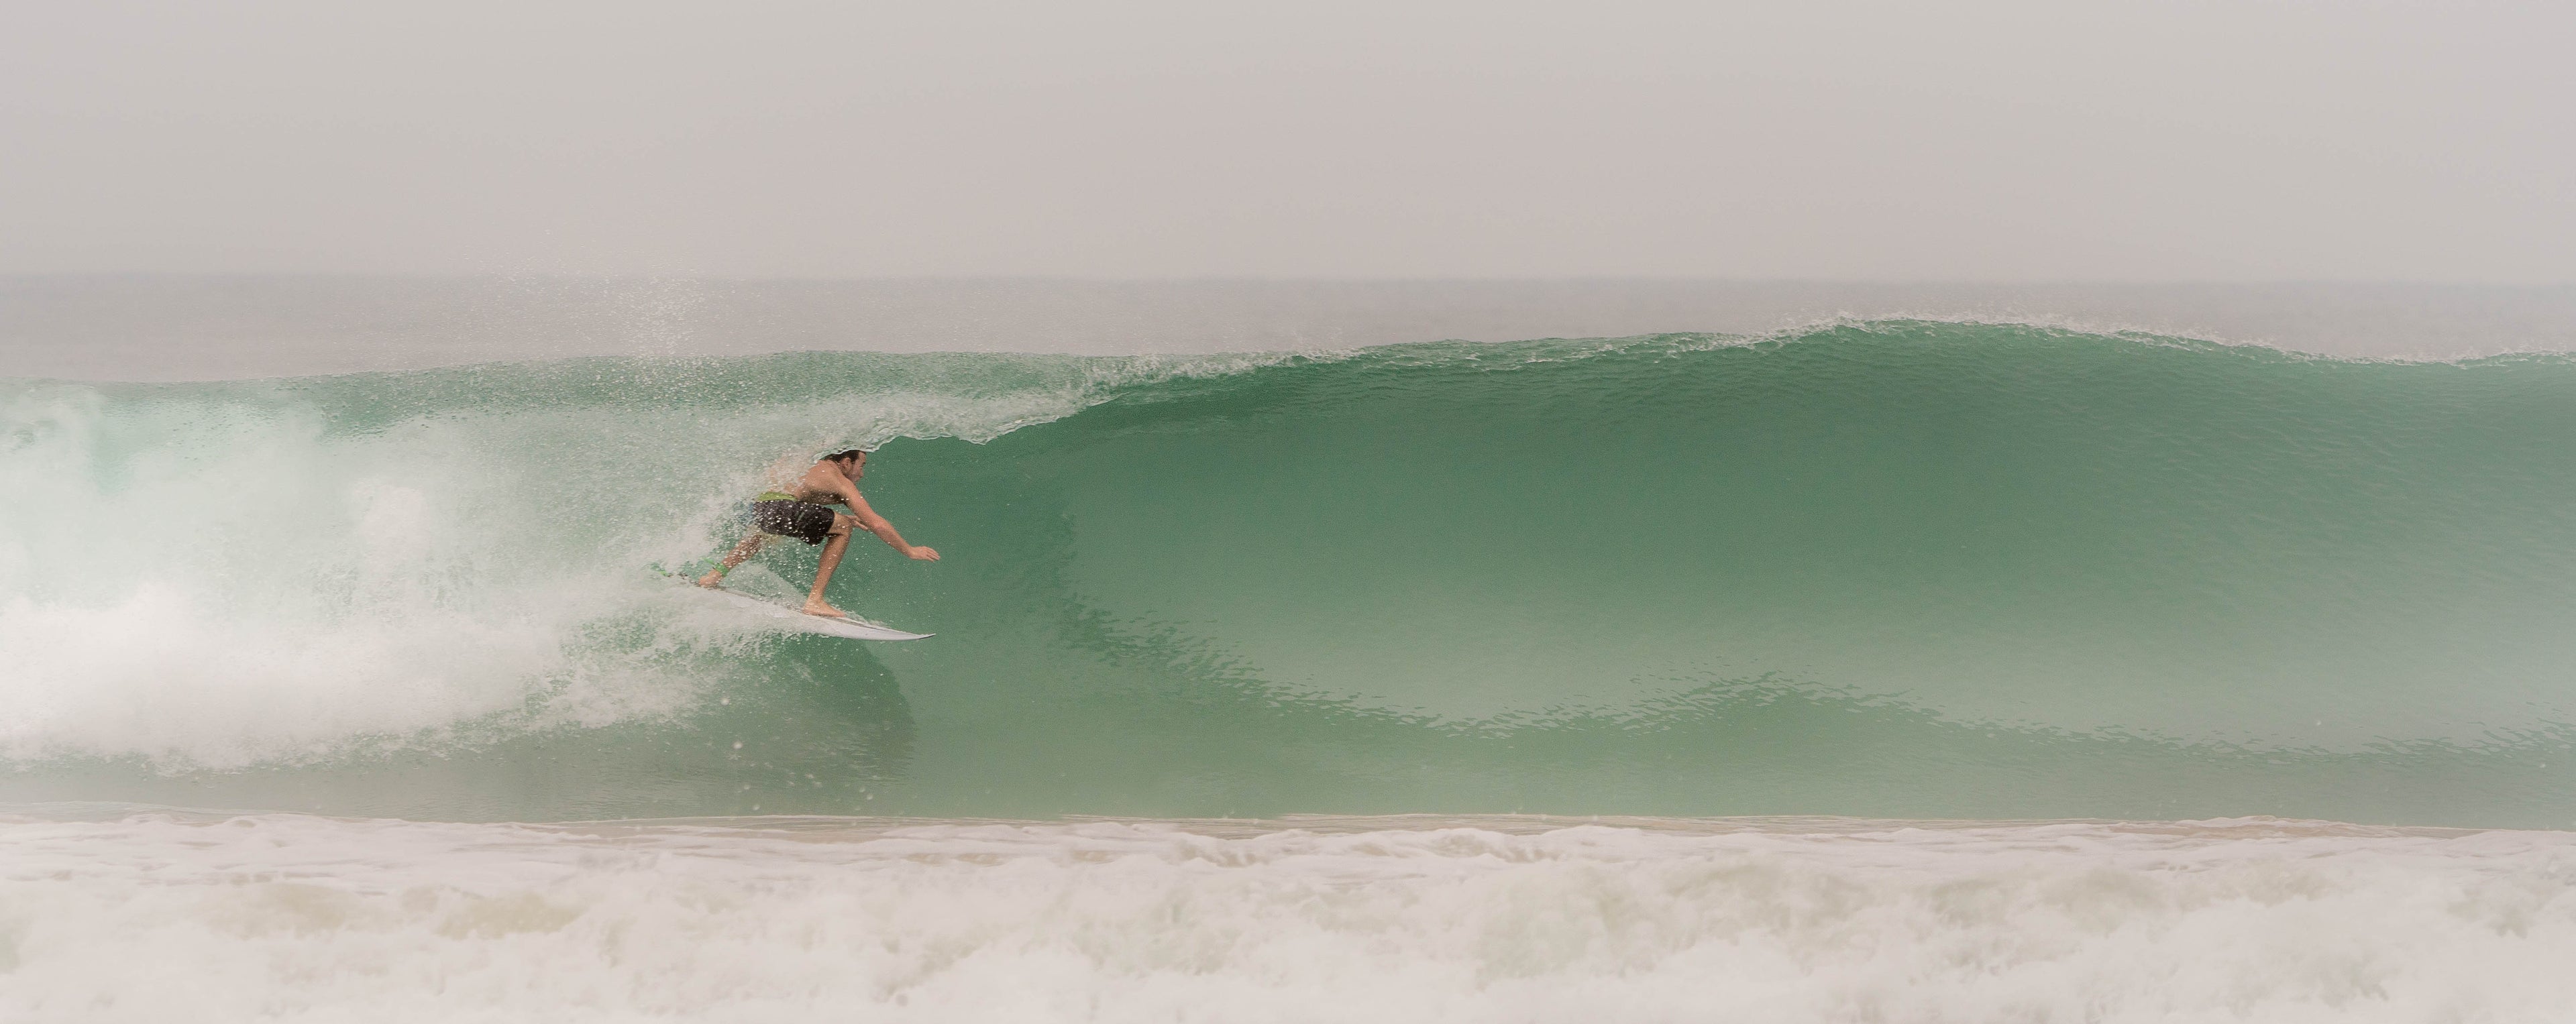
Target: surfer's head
[853, 461]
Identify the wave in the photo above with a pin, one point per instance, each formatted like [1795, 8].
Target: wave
[1899, 569]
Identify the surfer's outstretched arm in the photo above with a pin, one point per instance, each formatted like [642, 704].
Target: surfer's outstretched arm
[741, 553]
[869, 520]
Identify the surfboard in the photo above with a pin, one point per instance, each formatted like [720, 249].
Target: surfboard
[791, 619]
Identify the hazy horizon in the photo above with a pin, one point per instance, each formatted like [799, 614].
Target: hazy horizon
[1994, 142]
[181, 327]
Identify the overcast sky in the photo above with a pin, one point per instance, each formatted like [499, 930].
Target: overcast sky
[1983, 140]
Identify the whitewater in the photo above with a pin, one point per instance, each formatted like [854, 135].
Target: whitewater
[295, 918]
[1893, 669]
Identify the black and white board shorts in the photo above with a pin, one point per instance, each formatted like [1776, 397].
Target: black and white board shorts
[802, 520]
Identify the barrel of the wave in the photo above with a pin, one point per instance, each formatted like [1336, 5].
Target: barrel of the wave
[1894, 569]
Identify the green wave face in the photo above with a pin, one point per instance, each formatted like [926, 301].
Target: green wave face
[1895, 569]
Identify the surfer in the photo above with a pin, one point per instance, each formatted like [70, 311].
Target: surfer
[801, 511]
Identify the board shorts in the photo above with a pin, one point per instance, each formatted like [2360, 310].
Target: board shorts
[802, 520]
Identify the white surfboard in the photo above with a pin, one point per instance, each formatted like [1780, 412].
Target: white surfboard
[790, 618]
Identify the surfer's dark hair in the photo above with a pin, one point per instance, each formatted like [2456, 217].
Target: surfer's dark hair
[840, 455]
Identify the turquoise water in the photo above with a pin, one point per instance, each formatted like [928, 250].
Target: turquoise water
[1893, 569]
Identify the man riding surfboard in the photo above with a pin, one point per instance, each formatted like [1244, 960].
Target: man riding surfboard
[801, 511]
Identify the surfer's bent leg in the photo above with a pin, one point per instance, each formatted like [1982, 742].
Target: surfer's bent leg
[832, 549]
[741, 553]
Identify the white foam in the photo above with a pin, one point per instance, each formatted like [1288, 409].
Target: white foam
[276, 917]
[218, 578]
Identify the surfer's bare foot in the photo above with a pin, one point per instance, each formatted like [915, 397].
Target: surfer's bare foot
[815, 606]
[711, 580]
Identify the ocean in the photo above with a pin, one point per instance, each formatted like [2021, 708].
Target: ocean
[1868, 668]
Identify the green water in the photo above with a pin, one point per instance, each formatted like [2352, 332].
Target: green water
[1894, 569]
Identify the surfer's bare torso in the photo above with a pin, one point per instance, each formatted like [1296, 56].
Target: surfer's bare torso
[824, 484]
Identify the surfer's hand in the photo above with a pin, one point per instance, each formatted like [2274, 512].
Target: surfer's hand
[922, 554]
